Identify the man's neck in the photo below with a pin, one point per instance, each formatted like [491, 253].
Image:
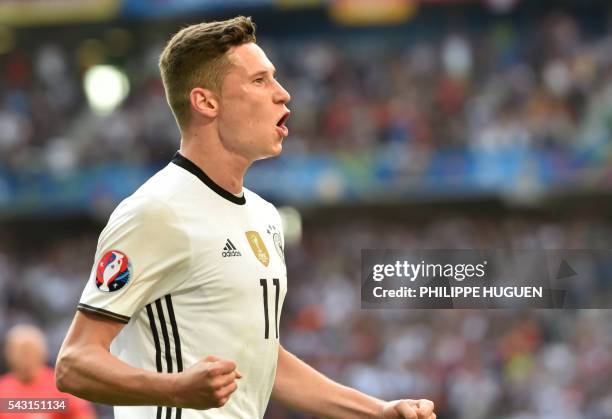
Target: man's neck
[221, 166]
[28, 377]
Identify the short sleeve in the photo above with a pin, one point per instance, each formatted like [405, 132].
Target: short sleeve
[143, 253]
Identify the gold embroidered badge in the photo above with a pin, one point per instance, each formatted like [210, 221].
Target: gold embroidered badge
[258, 247]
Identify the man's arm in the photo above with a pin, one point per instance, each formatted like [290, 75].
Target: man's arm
[86, 368]
[301, 387]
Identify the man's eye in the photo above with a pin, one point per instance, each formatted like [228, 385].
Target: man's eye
[259, 80]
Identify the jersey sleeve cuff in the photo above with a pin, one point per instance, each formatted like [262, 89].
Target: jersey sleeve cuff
[105, 313]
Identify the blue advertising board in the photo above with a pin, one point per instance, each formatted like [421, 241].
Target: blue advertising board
[159, 8]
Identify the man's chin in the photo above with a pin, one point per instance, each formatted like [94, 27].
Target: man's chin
[273, 152]
[276, 147]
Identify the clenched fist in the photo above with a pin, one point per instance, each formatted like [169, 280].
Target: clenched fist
[206, 384]
[409, 409]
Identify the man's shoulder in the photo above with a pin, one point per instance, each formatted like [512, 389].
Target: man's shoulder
[154, 197]
[44, 379]
[145, 208]
[10, 386]
[257, 201]
[6, 381]
[164, 185]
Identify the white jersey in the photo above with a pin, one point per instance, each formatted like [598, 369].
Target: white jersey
[194, 271]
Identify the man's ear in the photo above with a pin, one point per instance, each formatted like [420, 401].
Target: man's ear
[204, 101]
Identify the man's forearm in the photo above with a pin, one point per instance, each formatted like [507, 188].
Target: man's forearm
[301, 387]
[94, 374]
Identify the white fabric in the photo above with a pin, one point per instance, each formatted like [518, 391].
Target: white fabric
[174, 230]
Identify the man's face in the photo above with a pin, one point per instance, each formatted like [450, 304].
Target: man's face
[25, 353]
[252, 110]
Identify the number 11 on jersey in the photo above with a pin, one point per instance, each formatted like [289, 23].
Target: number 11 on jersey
[264, 285]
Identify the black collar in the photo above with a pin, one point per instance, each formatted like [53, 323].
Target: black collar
[191, 167]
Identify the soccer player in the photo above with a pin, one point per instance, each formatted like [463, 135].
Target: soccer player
[31, 378]
[189, 276]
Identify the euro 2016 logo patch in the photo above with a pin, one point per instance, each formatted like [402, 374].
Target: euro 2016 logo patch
[113, 271]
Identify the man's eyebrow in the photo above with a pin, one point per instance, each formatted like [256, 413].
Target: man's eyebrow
[264, 72]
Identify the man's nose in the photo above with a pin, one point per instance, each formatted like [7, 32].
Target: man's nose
[281, 95]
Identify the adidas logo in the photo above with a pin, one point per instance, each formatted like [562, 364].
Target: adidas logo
[230, 250]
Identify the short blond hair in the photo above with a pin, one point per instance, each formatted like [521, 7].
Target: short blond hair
[195, 56]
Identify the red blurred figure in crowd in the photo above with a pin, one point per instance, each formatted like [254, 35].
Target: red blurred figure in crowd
[30, 378]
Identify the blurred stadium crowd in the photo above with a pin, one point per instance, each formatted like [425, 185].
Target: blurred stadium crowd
[507, 364]
[543, 85]
[496, 88]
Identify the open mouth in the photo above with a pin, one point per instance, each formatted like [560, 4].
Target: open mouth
[284, 118]
[281, 127]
